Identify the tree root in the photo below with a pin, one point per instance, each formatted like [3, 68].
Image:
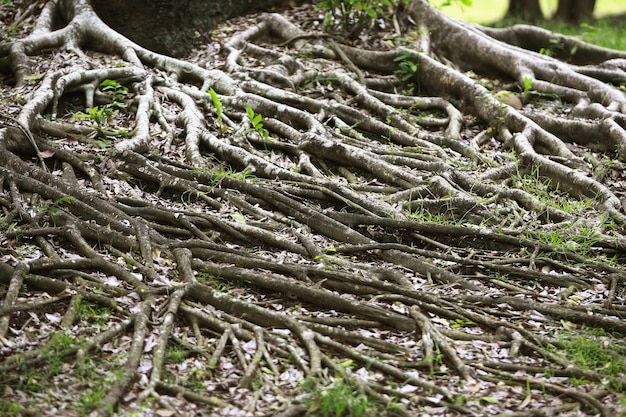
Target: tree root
[306, 218]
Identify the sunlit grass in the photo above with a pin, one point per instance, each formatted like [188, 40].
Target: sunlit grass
[490, 11]
[607, 33]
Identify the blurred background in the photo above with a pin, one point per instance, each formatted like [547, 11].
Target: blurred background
[491, 11]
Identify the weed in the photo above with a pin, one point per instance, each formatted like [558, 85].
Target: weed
[195, 379]
[407, 64]
[341, 398]
[230, 173]
[458, 323]
[352, 16]
[91, 399]
[528, 85]
[257, 124]
[202, 277]
[447, 3]
[219, 109]
[101, 115]
[10, 409]
[548, 193]
[115, 91]
[598, 351]
[408, 69]
[98, 314]
[65, 200]
[175, 355]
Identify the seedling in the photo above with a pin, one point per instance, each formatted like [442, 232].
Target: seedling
[528, 85]
[257, 124]
[407, 69]
[101, 115]
[219, 110]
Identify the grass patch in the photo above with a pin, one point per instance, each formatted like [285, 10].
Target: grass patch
[490, 11]
[603, 30]
[548, 193]
[596, 350]
[343, 398]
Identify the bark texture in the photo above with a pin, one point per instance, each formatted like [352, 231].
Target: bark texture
[574, 10]
[529, 10]
[174, 27]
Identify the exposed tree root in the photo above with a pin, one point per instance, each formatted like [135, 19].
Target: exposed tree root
[256, 235]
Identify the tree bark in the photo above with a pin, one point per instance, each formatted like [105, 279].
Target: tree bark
[173, 27]
[529, 10]
[574, 10]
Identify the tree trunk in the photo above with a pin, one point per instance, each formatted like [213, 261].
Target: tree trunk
[170, 26]
[574, 10]
[528, 10]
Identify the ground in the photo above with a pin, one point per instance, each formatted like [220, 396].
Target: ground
[424, 218]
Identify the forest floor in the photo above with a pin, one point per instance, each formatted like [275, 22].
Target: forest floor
[453, 302]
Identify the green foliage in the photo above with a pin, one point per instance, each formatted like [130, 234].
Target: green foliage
[176, 355]
[116, 91]
[447, 3]
[342, 398]
[528, 84]
[219, 110]
[231, 173]
[548, 193]
[257, 124]
[90, 399]
[97, 314]
[572, 238]
[596, 350]
[7, 2]
[34, 77]
[352, 16]
[64, 200]
[100, 115]
[408, 66]
[407, 70]
[10, 409]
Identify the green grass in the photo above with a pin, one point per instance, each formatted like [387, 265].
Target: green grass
[342, 398]
[604, 32]
[490, 11]
[598, 351]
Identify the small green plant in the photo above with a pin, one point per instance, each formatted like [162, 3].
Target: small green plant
[90, 399]
[116, 91]
[257, 123]
[341, 398]
[93, 313]
[10, 409]
[219, 110]
[352, 16]
[458, 323]
[408, 68]
[596, 350]
[176, 355]
[101, 115]
[545, 191]
[64, 200]
[218, 176]
[528, 85]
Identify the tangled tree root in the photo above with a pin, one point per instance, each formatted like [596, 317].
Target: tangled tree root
[301, 225]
